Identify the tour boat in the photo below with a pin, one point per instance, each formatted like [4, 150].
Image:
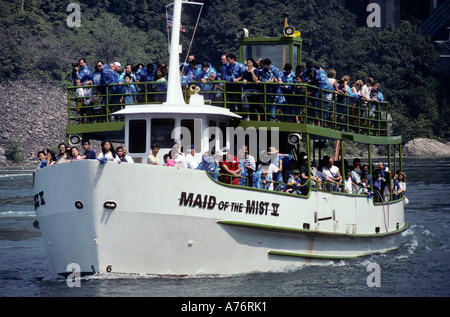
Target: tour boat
[108, 217]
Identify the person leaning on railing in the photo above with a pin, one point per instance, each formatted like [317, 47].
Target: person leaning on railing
[230, 167]
[332, 174]
[264, 181]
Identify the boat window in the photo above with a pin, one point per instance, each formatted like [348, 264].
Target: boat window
[195, 129]
[279, 54]
[161, 132]
[137, 136]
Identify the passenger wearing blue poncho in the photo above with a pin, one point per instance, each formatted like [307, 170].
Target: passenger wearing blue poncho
[264, 181]
[83, 72]
[375, 108]
[129, 91]
[289, 77]
[327, 105]
[271, 73]
[233, 72]
[96, 75]
[210, 165]
[294, 183]
[146, 74]
[243, 172]
[206, 74]
[161, 86]
[191, 69]
[376, 93]
[184, 80]
[109, 76]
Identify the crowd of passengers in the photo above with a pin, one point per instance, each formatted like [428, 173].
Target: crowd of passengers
[242, 85]
[273, 171]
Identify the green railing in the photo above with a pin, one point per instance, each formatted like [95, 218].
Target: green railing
[293, 103]
[311, 185]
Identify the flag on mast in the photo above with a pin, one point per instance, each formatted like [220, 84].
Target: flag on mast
[170, 22]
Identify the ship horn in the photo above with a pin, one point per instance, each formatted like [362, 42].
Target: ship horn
[193, 88]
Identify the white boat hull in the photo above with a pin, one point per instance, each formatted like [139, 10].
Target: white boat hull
[180, 221]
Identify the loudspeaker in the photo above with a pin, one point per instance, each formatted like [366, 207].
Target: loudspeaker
[289, 31]
[294, 138]
[241, 33]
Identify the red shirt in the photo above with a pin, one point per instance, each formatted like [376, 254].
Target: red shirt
[232, 166]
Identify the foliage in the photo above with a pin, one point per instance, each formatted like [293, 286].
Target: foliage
[15, 151]
[36, 41]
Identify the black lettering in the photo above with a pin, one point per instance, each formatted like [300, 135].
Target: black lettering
[211, 202]
[198, 201]
[41, 195]
[250, 207]
[237, 207]
[275, 210]
[36, 201]
[263, 206]
[205, 200]
[186, 201]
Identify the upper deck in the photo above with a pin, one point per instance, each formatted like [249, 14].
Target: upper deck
[294, 108]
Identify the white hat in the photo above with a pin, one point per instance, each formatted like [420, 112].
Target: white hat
[272, 150]
[117, 64]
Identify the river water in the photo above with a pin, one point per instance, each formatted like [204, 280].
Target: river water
[419, 268]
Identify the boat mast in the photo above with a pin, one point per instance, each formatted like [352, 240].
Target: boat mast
[174, 92]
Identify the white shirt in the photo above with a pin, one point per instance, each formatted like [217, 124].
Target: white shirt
[181, 161]
[129, 159]
[365, 91]
[191, 162]
[250, 161]
[330, 172]
[109, 157]
[349, 185]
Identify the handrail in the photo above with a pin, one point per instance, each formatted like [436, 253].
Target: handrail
[296, 103]
[328, 187]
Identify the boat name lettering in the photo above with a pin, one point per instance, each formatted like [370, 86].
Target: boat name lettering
[209, 202]
[39, 200]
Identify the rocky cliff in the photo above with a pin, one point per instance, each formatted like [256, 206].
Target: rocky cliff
[34, 113]
[426, 148]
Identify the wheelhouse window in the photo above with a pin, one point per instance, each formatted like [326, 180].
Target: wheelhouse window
[161, 132]
[279, 54]
[137, 136]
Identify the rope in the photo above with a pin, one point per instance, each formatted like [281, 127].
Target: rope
[193, 34]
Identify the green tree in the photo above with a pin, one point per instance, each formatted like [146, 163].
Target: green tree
[15, 151]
